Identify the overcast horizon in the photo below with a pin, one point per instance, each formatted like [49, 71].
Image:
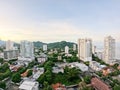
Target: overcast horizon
[61, 20]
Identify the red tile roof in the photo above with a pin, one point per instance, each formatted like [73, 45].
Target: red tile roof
[57, 86]
[99, 85]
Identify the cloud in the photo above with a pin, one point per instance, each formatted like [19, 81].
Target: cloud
[44, 31]
[50, 31]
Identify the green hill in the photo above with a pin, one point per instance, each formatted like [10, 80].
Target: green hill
[38, 44]
[61, 44]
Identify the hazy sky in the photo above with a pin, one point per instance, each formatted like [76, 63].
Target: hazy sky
[56, 20]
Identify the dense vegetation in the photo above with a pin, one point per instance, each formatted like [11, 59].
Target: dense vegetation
[61, 44]
[69, 77]
[2, 85]
[1, 60]
[16, 77]
[38, 44]
[4, 71]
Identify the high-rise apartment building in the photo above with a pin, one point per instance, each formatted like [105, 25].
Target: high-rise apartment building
[45, 47]
[74, 47]
[85, 49]
[109, 50]
[9, 45]
[66, 50]
[10, 52]
[26, 49]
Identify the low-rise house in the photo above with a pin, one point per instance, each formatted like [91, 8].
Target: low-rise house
[107, 70]
[29, 85]
[61, 65]
[50, 52]
[59, 57]
[57, 70]
[68, 55]
[42, 58]
[58, 86]
[37, 72]
[96, 66]
[14, 68]
[98, 84]
[25, 59]
[81, 66]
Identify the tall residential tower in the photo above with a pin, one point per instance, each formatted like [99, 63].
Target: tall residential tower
[9, 45]
[109, 50]
[26, 49]
[66, 50]
[85, 49]
[11, 52]
[45, 47]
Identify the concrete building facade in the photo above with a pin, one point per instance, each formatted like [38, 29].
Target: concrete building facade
[26, 49]
[85, 49]
[66, 50]
[109, 50]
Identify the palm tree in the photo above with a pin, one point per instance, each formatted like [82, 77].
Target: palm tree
[72, 73]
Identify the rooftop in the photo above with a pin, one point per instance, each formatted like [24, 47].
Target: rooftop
[27, 85]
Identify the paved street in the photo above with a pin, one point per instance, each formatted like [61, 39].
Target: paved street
[12, 87]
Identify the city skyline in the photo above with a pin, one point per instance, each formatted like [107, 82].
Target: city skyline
[50, 21]
[59, 45]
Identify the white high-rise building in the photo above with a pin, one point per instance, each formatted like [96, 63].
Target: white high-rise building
[27, 49]
[9, 45]
[85, 49]
[66, 50]
[45, 47]
[74, 47]
[109, 50]
[10, 52]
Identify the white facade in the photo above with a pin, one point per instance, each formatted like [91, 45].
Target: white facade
[1, 55]
[66, 49]
[44, 47]
[37, 73]
[81, 66]
[68, 55]
[57, 70]
[95, 66]
[29, 85]
[74, 47]
[59, 57]
[11, 54]
[9, 45]
[26, 59]
[26, 49]
[85, 49]
[109, 50]
[42, 58]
